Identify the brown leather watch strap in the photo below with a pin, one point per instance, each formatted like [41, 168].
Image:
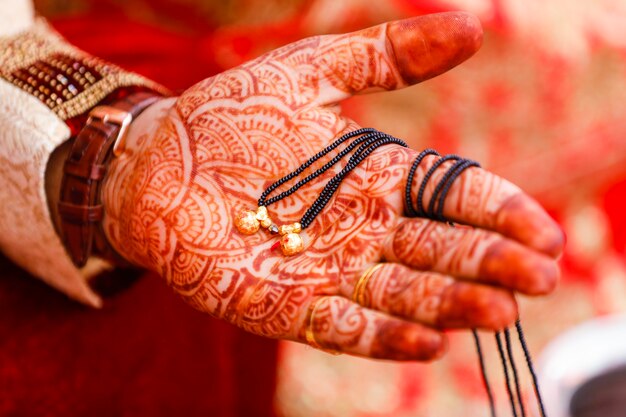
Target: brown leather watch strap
[80, 205]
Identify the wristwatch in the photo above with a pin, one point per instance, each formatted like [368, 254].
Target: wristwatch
[80, 205]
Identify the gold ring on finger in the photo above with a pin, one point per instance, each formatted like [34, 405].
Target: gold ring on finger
[358, 296]
[309, 333]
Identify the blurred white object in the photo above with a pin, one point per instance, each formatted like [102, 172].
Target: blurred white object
[578, 355]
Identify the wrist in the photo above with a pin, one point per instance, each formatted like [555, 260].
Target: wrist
[80, 206]
[122, 185]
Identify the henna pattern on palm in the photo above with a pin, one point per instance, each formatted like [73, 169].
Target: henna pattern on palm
[196, 161]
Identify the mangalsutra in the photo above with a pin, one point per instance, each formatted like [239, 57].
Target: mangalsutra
[434, 211]
[249, 221]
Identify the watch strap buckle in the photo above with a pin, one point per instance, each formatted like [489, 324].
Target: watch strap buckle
[115, 116]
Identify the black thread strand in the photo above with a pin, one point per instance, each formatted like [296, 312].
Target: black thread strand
[531, 368]
[430, 212]
[505, 369]
[518, 390]
[365, 135]
[429, 173]
[359, 156]
[315, 157]
[483, 371]
[324, 168]
[444, 192]
[408, 203]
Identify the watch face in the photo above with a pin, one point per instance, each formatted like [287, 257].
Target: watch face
[582, 373]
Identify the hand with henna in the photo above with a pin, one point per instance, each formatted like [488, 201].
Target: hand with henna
[194, 162]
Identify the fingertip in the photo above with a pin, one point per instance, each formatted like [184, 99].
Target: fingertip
[405, 341]
[550, 238]
[467, 29]
[479, 306]
[556, 244]
[472, 27]
[504, 303]
[426, 46]
[523, 219]
[441, 348]
[518, 267]
[547, 275]
[429, 345]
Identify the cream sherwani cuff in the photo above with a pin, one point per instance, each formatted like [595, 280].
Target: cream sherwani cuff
[44, 81]
[30, 132]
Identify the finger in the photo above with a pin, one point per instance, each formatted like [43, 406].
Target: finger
[336, 323]
[434, 299]
[471, 253]
[395, 54]
[480, 198]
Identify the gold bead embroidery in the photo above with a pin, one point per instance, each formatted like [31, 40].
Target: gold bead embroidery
[41, 63]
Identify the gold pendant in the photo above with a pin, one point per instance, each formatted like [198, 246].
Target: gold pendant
[249, 222]
[291, 244]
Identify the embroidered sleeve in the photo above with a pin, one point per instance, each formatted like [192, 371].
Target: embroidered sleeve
[68, 81]
[45, 84]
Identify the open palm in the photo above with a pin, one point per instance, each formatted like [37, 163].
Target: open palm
[196, 161]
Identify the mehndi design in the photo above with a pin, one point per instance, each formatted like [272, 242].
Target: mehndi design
[193, 163]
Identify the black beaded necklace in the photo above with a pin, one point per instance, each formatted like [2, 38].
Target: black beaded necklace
[367, 140]
[435, 212]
